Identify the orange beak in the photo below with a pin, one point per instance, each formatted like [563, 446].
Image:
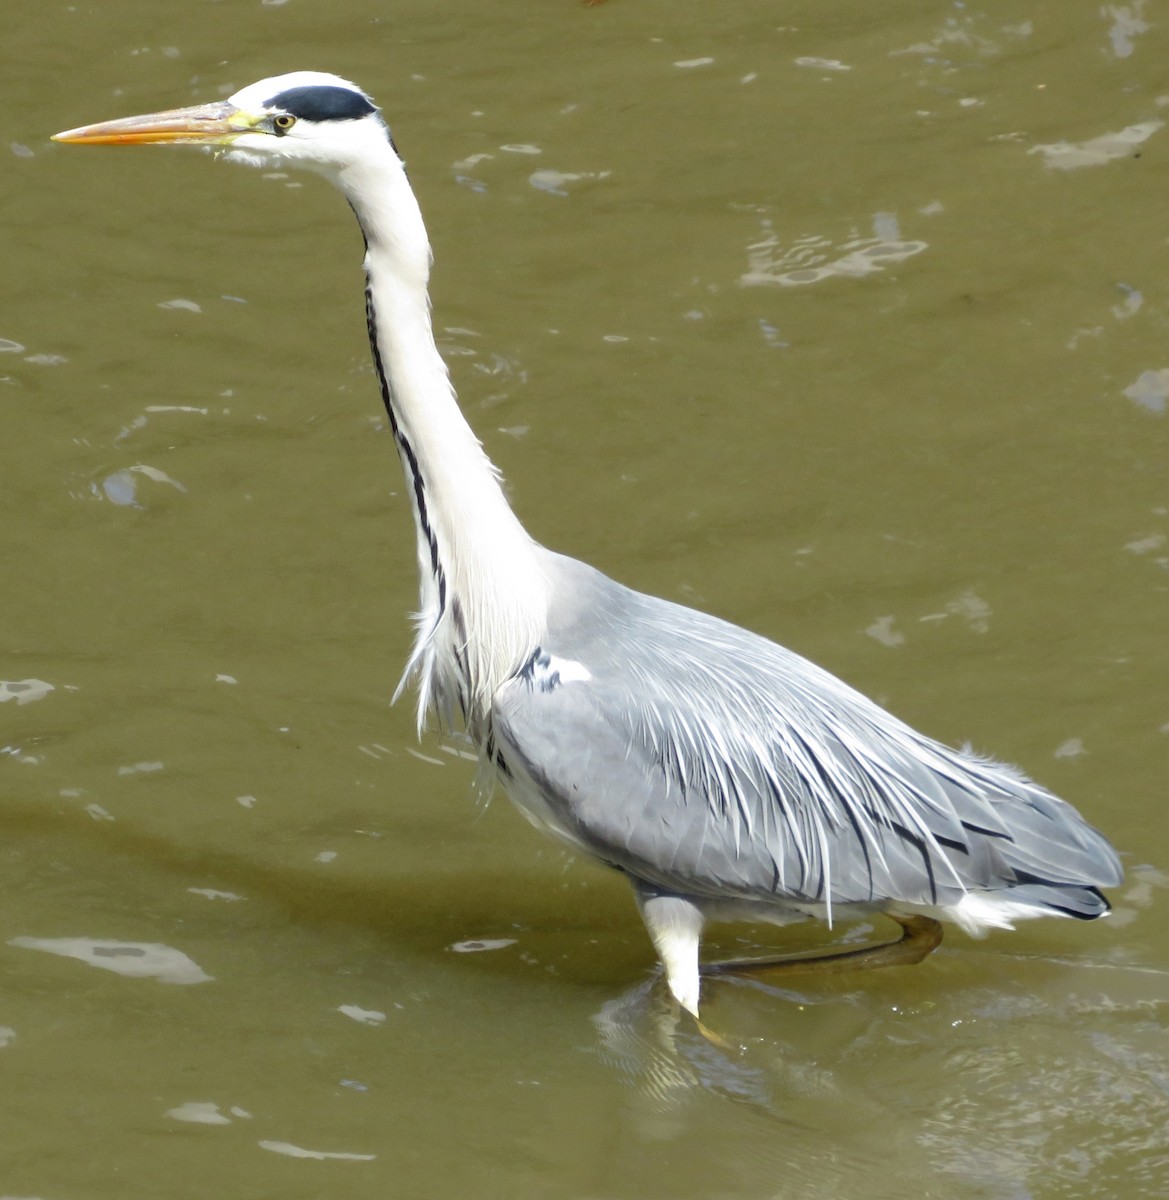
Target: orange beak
[214, 124]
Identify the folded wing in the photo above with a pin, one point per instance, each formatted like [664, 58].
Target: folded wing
[709, 761]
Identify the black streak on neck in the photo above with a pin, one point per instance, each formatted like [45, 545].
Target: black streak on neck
[409, 458]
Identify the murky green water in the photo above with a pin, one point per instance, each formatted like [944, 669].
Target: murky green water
[847, 322]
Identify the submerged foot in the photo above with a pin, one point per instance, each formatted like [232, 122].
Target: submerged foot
[919, 938]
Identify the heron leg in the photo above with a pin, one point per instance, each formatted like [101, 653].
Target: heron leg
[675, 927]
[920, 936]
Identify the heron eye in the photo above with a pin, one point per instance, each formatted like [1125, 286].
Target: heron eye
[282, 124]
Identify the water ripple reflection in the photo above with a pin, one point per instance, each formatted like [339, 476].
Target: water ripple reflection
[1056, 1072]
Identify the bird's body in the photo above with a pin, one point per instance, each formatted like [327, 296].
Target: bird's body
[727, 777]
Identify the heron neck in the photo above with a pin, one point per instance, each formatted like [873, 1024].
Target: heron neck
[483, 595]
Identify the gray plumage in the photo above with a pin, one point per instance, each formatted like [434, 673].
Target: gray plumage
[712, 763]
[725, 776]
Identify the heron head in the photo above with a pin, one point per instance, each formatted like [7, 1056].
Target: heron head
[305, 118]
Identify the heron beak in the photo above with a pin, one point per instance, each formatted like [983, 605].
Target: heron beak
[216, 124]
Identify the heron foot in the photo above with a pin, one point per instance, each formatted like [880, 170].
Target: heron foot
[715, 1039]
[919, 938]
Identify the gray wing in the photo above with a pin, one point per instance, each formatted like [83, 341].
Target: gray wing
[709, 761]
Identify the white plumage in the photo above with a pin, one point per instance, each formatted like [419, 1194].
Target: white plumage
[726, 777]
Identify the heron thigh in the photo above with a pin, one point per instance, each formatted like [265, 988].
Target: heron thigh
[675, 928]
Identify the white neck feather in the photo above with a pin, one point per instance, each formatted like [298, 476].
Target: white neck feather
[484, 597]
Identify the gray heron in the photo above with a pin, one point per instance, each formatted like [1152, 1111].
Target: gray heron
[726, 777]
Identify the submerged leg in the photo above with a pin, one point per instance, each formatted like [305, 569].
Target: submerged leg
[920, 936]
[675, 928]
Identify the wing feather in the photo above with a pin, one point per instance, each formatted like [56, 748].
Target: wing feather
[710, 761]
